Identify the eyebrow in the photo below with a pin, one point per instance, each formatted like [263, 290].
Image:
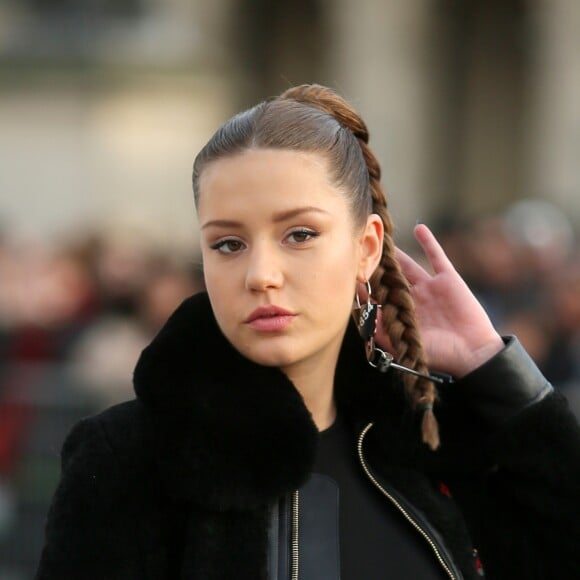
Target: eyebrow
[276, 218]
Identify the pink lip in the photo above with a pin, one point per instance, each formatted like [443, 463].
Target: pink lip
[269, 319]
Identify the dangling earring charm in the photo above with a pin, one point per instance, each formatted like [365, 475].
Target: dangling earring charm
[367, 321]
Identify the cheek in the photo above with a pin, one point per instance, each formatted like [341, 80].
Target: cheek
[220, 286]
[333, 281]
[217, 275]
[223, 307]
[222, 297]
[211, 284]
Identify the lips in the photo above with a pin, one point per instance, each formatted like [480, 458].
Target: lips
[269, 319]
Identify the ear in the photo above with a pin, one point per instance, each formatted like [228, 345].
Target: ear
[371, 247]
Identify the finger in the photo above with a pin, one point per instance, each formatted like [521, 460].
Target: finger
[433, 250]
[412, 271]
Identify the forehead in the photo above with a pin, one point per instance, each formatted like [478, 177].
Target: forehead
[267, 176]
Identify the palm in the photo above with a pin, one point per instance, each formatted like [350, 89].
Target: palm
[456, 332]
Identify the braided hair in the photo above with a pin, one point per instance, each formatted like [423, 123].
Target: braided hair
[316, 119]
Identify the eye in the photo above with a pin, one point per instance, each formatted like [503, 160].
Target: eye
[228, 246]
[301, 235]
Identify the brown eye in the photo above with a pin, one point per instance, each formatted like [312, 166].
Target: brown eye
[228, 246]
[302, 235]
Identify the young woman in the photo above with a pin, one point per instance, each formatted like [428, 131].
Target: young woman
[271, 438]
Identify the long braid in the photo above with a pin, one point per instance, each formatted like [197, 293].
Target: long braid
[398, 311]
[391, 288]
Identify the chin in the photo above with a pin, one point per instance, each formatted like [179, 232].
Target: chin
[270, 357]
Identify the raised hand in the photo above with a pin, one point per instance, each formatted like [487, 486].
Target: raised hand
[457, 333]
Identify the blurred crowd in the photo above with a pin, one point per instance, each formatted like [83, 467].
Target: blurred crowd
[73, 320]
[90, 306]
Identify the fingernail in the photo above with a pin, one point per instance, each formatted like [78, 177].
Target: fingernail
[419, 222]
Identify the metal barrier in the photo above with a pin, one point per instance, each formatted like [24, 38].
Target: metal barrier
[38, 407]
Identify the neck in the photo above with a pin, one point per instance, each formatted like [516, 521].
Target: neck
[314, 380]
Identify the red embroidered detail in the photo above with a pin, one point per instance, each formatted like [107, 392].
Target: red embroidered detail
[444, 489]
[478, 564]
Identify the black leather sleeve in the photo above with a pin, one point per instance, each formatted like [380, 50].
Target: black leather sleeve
[501, 388]
[512, 449]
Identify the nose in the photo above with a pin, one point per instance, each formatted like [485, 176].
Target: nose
[263, 269]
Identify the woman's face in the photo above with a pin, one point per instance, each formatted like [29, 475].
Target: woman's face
[282, 255]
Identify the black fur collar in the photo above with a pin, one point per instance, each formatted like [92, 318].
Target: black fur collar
[229, 433]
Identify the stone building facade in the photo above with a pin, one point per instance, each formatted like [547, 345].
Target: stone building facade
[103, 104]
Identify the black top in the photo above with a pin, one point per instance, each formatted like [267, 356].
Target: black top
[376, 542]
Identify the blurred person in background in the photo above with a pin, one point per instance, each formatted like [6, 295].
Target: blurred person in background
[46, 301]
[563, 308]
[103, 358]
[494, 267]
[265, 442]
[547, 237]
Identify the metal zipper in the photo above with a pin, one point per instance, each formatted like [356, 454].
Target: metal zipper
[295, 551]
[395, 502]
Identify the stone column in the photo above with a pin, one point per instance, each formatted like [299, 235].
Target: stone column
[378, 59]
[553, 168]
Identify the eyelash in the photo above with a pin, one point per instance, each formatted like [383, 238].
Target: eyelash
[222, 245]
[306, 232]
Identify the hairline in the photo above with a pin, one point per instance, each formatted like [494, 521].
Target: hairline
[358, 220]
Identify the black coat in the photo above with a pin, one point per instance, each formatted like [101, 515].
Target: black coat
[179, 482]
